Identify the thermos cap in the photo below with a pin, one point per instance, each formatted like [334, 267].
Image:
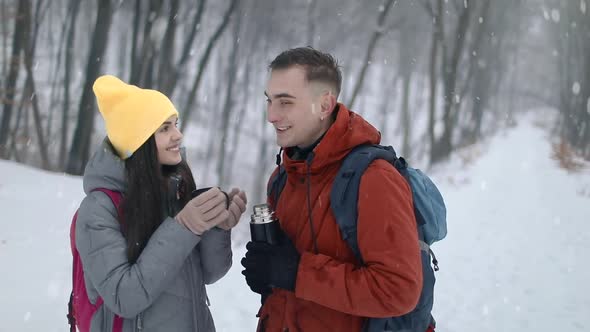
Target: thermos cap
[262, 214]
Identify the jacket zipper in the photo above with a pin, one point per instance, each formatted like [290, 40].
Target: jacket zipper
[138, 323]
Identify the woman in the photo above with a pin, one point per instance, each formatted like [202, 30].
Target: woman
[150, 259]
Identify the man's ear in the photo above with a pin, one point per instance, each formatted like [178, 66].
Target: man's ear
[328, 103]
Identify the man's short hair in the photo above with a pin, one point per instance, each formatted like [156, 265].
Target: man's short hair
[319, 66]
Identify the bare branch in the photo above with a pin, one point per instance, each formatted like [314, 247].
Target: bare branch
[370, 49]
[203, 63]
[427, 6]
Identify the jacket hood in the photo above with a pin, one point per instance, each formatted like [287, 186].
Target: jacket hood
[348, 131]
[104, 170]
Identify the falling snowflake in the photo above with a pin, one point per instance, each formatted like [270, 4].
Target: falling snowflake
[546, 14]
[483, 185]
[555, 15]
[576, 88]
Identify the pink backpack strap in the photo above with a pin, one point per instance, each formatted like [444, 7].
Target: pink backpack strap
[118, 324]
[116, 197]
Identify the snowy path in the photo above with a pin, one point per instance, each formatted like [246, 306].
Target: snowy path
[519, 238]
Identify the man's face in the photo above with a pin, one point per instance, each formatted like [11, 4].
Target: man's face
[293, 108]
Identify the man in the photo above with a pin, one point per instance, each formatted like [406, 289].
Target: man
[317, 283]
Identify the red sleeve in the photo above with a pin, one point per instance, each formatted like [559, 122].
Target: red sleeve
[390, 283]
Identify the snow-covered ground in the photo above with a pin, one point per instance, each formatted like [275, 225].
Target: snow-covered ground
[515, 258]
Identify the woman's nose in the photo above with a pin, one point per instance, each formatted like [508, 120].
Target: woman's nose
[178, 134]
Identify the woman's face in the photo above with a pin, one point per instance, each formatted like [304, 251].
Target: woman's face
[168, 139]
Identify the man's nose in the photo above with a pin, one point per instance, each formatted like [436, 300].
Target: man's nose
[272, 116]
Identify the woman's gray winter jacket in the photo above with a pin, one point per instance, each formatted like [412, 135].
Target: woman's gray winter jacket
[165, 289]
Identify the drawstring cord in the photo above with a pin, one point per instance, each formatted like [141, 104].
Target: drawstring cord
[308, 162]
[276, 184]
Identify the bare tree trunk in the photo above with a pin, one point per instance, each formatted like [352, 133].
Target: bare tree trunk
[29, 53]
[238, 125]
[4, 27]
[481, 77]
[437, 35]
[244, 105]
[209, 158]
[55, 77]
[311, 17]
[143, 65]
[211, 122]
[36, 113]
[227, 107]
[166, 67]
[19, 117]
[21, 25]
[584, 110]
[264, 143]
[67, 81]
[203, 64]
[386, 104]
[370, 49]
[405, 115]
[405, 65]
[514, 73]
[451, 98]
[135, 42]
[575, 95]
[186, 50]
[40, 14]
[80, 148]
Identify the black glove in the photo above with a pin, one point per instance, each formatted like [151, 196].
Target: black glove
[261, 288]
[271, 265]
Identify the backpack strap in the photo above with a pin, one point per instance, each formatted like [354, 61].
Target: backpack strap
[70, 315]
[345, 189]
[116, 198]
[402, 167]
[276, 184]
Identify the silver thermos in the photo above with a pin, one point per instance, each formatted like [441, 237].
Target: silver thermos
[264, 226]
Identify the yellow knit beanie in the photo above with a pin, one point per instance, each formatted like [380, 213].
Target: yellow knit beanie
[131, 114]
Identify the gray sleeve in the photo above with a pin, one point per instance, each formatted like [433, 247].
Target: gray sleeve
[216, 254]
[127, 289]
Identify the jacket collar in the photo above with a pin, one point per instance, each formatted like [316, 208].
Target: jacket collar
[348, 131]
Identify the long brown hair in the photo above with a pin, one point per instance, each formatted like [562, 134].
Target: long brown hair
[144, 203]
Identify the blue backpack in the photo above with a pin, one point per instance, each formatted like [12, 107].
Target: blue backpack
[429, 209]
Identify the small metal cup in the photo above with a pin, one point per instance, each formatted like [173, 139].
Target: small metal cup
[197, 192]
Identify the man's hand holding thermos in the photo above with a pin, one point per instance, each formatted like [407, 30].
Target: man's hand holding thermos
[271, 260]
